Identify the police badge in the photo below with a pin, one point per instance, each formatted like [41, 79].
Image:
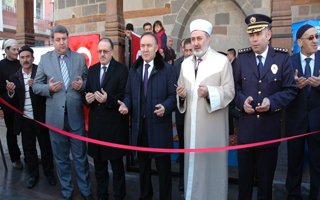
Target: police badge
[274, 68]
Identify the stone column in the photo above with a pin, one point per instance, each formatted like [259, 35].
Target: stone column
[281, 24]
[25, 25]
[114, 27]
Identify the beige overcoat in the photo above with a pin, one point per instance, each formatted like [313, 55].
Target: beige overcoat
[206, 125]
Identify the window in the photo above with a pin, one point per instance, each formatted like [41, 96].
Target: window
[38, 9]
[9, 5]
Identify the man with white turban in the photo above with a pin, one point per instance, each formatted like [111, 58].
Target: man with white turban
[205, 88]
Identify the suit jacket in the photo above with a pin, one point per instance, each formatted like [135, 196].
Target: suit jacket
[302, 114]
[105, 121]
[276, 83]
[38, 102]
[67, 97]
[177, 69]
[161, 90]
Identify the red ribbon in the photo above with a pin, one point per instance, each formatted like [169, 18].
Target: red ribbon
[159, 150]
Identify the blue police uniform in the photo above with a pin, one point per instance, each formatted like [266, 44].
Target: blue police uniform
[275, 81]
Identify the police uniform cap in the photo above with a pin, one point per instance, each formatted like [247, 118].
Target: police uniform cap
[257, 22]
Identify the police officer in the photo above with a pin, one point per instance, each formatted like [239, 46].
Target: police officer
[264, 86]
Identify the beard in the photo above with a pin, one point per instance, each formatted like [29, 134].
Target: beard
[200, 53]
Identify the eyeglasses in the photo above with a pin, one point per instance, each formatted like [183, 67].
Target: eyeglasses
[311, 37]
[104, 51]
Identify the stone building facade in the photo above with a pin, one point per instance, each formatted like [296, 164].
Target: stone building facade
[227, 16]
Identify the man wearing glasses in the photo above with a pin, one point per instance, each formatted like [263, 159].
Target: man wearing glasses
[302, 114]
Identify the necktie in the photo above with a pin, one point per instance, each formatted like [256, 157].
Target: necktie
[64, 71]
[260, 65]
[104, 68]
[307, 70]
[197, 66]
[145, 79]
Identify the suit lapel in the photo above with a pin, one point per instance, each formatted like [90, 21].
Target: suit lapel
[109, 73]
[316, 70]
[56, 67]
[297, 62]
[268, 62]
[253, 64]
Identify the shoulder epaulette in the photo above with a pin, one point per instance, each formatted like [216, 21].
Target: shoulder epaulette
[283, 50]
[244, 50]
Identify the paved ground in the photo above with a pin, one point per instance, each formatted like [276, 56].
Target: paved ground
[12, 182]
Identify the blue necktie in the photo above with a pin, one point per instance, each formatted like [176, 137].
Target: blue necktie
[260, 65]
[145, 79]
[307, 70]
[64, 71]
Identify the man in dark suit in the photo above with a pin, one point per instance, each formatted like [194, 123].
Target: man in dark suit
[264, 86]
[33, 106]
[8, 66]
[187, 51]
[169, 53]
[105, 85]
[150, 98]
[302, 115]
[61, 77]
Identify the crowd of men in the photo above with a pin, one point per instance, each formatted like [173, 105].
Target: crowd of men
[203, 87]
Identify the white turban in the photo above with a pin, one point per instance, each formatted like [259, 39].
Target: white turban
[201, 25]
[9, 43]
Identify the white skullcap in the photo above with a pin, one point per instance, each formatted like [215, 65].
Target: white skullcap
[201, 25]
[9, 43]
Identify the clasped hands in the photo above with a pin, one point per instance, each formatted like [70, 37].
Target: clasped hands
[263, 107]
[159, 109]
[100, 96]
[56, 86]
[301, 82]
[202, 91]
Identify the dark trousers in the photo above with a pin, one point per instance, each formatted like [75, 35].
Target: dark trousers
[31, 132]
[12, 142]
[163, 165]
[180, 130]
[102, 177]
[259, 163]
[296, 152]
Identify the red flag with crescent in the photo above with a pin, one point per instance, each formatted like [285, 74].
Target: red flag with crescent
[87, 46]
[135, 48]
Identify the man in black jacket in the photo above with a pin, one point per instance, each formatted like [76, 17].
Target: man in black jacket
[8, 66]
[33, 107]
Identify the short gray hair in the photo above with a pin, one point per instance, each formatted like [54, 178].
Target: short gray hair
[59, 29]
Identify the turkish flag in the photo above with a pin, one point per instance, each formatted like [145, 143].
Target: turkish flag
[135, 46]
[87, 46]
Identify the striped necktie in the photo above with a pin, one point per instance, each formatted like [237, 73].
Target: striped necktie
[64, 71]
[104, 68]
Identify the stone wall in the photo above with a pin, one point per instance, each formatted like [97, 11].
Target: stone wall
[227, 16]
[305, 12]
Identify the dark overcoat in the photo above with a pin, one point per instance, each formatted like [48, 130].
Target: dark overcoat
[105, 121]
[161, 90]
